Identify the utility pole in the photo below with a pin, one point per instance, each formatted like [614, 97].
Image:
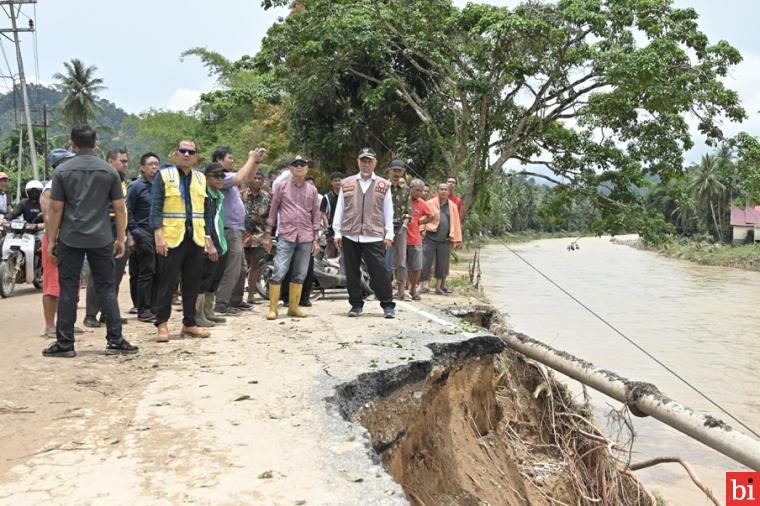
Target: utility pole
[22, 78]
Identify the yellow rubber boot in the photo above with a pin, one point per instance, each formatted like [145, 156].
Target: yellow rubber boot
[294, 297]
[274, 299]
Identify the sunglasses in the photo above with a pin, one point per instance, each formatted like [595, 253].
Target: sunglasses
[300, 164]
[186, 151]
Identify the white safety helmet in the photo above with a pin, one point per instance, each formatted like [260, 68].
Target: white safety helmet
[33, 185]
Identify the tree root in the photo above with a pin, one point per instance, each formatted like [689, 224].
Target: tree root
[677, 460]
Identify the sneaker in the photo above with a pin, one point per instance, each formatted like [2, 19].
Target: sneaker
[227, 310]
[306, 303]
[416, 296]
[55, 350]
[389, 312]
[244, 305]
[133, 310]
[122, 347]
[91, 321]
[146, 316]
[445, 290]
[441, 292]
[355, 311]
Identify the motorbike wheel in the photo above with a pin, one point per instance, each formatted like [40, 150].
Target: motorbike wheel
[364, 283]
[37, 281]
[262, 278]
[7, 281]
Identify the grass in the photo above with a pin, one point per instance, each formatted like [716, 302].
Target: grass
[745, 256]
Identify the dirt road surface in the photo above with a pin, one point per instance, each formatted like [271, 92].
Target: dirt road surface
[239, 418]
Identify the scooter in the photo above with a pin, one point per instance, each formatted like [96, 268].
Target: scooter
[21, 260]
[328, 273]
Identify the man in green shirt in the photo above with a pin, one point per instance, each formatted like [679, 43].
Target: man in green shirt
[395, 257]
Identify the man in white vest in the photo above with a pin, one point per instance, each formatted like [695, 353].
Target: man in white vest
[363, 226]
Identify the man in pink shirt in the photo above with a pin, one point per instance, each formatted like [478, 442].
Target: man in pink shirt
[421, 214]
[295, 210]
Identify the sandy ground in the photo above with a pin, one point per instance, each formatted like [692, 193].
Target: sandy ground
[239, 418]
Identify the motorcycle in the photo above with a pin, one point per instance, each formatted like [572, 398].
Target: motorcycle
[21, 260]
[328, 273]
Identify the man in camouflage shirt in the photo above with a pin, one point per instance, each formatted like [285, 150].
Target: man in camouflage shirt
[256, 213]
[395, 258]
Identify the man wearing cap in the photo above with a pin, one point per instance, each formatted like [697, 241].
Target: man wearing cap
[363, 226]
[296, 202]
[214, 261]
[4, 209]
[142, 263]
[396, 256]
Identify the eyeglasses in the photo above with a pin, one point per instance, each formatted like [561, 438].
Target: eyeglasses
[299, 164]
[186, 151]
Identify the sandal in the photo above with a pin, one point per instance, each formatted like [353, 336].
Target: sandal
[55, 350]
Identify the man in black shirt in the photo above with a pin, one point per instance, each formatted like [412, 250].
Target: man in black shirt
[327, 210]
[142, 263]
[78, 225]
[30, 208]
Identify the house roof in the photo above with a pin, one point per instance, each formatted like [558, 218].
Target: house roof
[745, 217]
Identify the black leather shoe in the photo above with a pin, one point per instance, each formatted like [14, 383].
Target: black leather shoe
[91, 321]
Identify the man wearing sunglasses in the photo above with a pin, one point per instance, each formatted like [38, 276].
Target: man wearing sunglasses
[180, 217]
[295, 209]
[229, 293]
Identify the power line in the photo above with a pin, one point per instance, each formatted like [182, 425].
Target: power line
[636, 345]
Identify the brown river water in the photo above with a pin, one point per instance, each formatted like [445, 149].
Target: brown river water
[701, 321]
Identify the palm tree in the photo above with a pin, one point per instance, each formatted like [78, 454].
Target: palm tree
[706, 185]
[80, 86]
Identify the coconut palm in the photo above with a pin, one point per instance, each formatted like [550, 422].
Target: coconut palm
[80, 86]
[706, 186]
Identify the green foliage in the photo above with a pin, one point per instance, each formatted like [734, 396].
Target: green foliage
[597, 91]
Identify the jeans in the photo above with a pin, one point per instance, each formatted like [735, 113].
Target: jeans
[101, 262]
[185, 260]
[299, 253]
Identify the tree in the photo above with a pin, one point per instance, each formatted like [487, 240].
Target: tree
[597, 91]
[80, 86]
[707, 187]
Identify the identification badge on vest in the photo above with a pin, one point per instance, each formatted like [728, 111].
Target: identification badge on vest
[381, 187]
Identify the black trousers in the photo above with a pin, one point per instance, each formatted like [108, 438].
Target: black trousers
[373, 254]
[186, 260]
[70, 262]
[134, 269]
[212, 273]
[92, 300]
[142, 269]
[308, 283]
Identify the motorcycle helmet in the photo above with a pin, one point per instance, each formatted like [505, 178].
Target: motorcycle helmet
[33, 189]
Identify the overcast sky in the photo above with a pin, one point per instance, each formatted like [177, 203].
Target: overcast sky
[136, 45]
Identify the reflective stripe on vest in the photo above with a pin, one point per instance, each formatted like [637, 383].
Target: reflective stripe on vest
[174, 212]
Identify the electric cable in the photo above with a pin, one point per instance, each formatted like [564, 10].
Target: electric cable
[636, 345]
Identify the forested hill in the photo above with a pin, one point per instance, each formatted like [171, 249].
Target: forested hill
[108, 122]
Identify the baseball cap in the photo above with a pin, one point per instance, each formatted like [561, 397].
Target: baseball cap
[58, 155]
[3, 175]
[367, 153]
[299, 158]
[397, 164]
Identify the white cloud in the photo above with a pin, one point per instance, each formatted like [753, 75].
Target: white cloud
[183, 99]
